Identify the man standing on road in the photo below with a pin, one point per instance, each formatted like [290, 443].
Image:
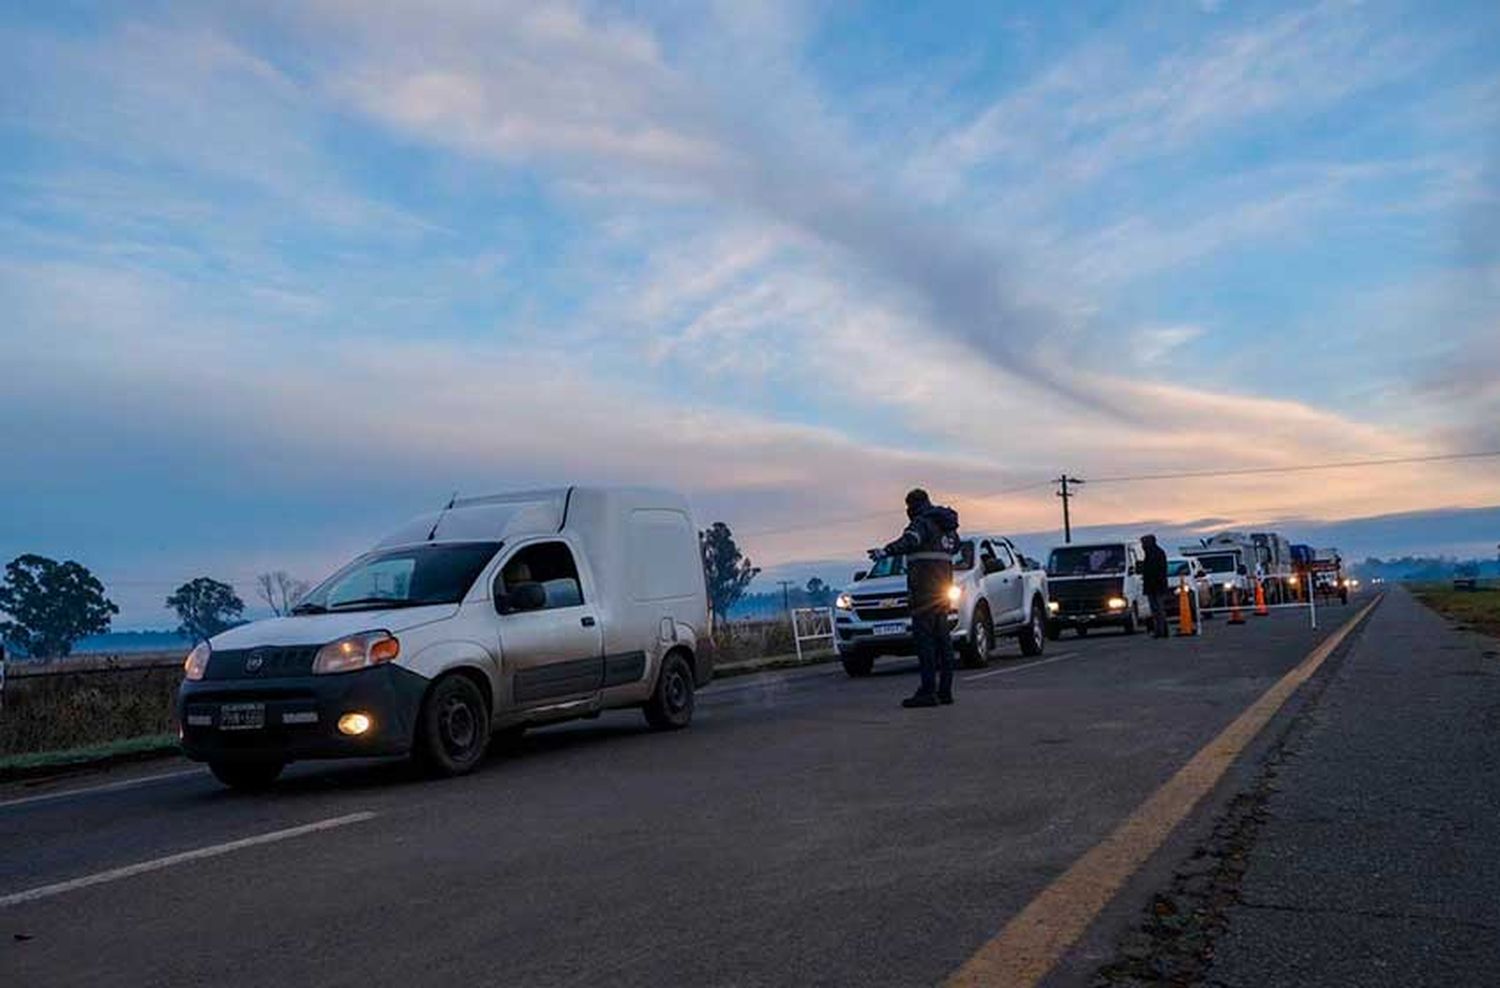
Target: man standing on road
[1154, 578]
[929, 542]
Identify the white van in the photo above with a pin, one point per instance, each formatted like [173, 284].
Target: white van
[492, 615]
[1095, 585]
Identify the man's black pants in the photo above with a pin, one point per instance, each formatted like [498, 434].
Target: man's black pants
[934, 650]
[1160, 601]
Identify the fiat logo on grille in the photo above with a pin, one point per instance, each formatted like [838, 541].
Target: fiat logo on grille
[255, 661]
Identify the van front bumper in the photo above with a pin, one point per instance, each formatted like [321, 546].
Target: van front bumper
[301, 714]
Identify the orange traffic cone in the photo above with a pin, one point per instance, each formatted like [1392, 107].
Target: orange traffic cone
[1236, 616]
[1185, 611]
[1260, 600]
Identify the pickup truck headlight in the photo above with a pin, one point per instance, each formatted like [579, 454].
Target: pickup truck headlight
[196, 663]
[844, 602]
[955, 594]
[361, 651]
[1228, 584]
[1117, 603]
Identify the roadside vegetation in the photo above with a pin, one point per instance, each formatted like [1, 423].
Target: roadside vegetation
[1477, 609]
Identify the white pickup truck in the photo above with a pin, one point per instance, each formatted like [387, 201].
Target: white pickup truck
[994, 595]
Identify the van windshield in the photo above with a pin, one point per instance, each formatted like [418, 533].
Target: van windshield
[408, 577]
[1086, 560]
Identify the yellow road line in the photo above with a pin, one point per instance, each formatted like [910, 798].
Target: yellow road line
[1034, 941]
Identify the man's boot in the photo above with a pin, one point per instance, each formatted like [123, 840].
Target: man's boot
[920, 700]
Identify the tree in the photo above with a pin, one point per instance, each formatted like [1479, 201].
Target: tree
[206, 607]
[279, 590]
[51, 606]
[819, 594]
[726, 569]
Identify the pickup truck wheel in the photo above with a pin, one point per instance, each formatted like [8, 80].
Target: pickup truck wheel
[858, 664]
[247, 776]
[453, 729]
[671, 705]
[976, 652]
[1034, 636]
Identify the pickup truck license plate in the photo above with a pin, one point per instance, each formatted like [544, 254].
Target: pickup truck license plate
[242, 716]
[890, 628]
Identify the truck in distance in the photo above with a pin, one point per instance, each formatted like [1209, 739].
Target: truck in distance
[1096, 585]
[994, 595]
[490, 616]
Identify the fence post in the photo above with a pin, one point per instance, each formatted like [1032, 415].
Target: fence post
[1312, 598]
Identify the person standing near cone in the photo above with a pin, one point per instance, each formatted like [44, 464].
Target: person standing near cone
[929, 542]
[1156, 584]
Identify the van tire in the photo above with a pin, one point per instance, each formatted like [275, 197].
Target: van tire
[247, 776]
[858, 664]
[1033, 636]
[976, 651]
[671, 705]
[453, 729]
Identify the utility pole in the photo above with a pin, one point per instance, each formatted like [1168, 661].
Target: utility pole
[1065, 494]
[786, 599]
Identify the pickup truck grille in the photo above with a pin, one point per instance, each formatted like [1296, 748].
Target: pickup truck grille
[1084, 596]
[887, 607]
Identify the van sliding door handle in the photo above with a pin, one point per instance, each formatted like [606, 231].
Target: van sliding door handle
[587, 622]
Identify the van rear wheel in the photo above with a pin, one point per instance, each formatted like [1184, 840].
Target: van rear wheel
[671, 705]
[454, 727]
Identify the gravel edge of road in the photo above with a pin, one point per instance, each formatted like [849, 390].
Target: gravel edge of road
[1173, 942]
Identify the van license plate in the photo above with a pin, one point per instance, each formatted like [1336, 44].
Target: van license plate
[890, 628]
[242, 716]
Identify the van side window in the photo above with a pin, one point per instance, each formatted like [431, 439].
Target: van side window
[549, 564]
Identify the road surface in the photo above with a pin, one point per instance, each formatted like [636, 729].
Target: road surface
[806, 830]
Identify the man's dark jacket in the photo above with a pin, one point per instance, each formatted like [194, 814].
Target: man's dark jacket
[1154, 570]
[929, 562]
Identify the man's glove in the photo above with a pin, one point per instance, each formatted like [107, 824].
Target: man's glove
[877, 554]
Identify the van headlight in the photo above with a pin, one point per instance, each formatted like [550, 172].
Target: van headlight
[1117, 603]
[1053, 606]
[196, 663]
[1228, 584]
[955, 594]
[361, 651]
[844, 602]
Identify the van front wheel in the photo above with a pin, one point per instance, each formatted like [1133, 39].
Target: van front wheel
[671, 705]
[454, 727]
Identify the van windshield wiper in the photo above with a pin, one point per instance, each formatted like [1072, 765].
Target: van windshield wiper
[309, 608]
[382, 602]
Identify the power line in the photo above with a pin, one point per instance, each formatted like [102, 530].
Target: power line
[1300, 468]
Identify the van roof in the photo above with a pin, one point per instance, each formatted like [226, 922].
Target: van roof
[501, 517]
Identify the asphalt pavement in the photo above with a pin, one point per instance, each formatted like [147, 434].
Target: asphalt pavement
[805, 830]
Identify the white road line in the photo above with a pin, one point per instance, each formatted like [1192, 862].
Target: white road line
[156, 864]
[1029, 665]
[47, 797]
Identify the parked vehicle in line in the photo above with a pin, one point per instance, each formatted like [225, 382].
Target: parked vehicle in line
[1230, 560]
[490, 616]
[994, 595]
[1096, 585]
[1188, 576]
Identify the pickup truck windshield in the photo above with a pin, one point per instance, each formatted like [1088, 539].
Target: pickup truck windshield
[1087, 560]
[1219, 562]
[1179, 567]
[896, 565]
[409, 577]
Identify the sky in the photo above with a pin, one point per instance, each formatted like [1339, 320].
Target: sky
[275, 276]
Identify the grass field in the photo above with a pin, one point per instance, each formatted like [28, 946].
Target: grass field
[1477, 609]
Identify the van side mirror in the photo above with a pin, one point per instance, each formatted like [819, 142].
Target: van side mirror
[525, 597]
[861, 575]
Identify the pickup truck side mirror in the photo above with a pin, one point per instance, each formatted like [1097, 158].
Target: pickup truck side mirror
[861, 575]
[525, 597]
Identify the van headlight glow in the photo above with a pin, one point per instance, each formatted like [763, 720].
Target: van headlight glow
[1053, 606]
[361, 651]
[955, 594]
[196, 663]
[844, 602]
[1228, 584]
[1117, 603]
